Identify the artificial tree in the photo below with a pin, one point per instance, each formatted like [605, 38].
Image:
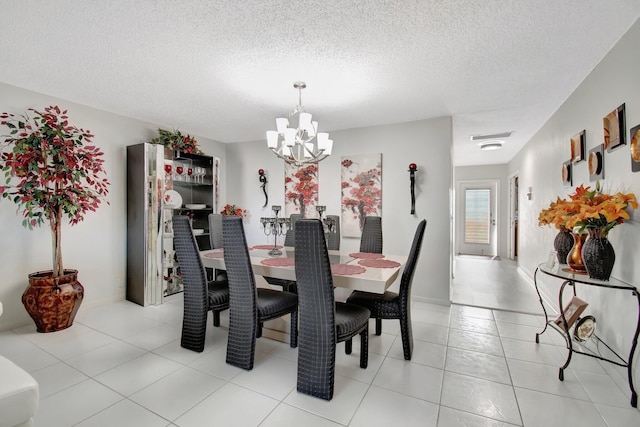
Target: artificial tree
[51, 171]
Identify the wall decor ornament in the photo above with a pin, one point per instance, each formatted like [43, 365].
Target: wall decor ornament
[413, 168]
[635, 148]
[614, 129]
[361, 191]
[263, 183]
[578, 147]
[566, 174]
[596, 163]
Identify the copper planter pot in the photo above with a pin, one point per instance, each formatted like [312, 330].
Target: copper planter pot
[574, 258]
[53, 303]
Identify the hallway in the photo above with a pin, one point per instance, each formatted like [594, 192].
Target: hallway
[494, 284]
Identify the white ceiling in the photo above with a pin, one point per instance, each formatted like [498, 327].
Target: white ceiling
[224, 69]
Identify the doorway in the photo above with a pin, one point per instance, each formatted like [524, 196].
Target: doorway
[477, 208]
[512, 251]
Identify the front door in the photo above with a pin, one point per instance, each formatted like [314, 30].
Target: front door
[478, 225]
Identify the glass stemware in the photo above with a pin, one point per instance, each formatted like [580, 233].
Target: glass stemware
[189, 173]
[179, 172]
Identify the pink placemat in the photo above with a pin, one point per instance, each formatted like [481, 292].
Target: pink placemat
[216, 253]
[379, 263]
[347, 269]
[366, 255]
[278, 262]
[265, 247]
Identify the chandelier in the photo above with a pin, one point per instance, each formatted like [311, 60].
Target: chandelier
[296, 138]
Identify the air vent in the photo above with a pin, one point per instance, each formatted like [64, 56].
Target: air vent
[502, 135]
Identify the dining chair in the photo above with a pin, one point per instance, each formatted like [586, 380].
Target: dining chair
[323, 321]
[391, 305]
[371, 239]
[333, 238]
[215, 240]
[215, 230]
[249, 307]
[289, 240]
[199, 295]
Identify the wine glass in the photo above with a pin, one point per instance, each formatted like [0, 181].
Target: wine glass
[167, 170]
[189, 173]
[179, 171]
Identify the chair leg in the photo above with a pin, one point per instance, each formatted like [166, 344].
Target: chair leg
[348, 346]
[378, 326]
[259, 330]
[216, 318]
[407, 336]
[293, 336]
[364, 348]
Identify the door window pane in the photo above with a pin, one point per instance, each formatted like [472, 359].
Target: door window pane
[477, 215]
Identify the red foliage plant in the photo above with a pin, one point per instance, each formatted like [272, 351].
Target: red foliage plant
[50, 172]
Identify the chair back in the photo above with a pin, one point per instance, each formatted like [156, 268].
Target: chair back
[242, 289]
[410, 267]
[371, 240]
[316, 307]
[333, 238]
[215, 231]
[194, 279]
[290, 237]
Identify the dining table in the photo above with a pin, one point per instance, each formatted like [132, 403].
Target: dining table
[350, 270]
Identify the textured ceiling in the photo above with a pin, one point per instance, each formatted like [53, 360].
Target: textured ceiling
[224, 69]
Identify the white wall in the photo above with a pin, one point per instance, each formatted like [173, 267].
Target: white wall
[501, 174]
[97, 246]
[426, 143]
[613, 82]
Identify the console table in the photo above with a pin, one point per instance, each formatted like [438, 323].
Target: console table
[592, 349]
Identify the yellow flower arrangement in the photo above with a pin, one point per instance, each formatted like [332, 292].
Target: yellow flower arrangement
[589, 209]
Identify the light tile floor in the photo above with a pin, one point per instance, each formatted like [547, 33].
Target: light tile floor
[122, 365]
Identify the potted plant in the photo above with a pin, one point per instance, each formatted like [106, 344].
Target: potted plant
[175, 140]
[51, 171]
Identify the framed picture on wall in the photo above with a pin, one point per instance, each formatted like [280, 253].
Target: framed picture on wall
[596, 163]
[635, 148]
[566, 173]
[614, 129]
[578, 147]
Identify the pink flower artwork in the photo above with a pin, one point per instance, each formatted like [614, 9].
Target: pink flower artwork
[361, 191]
[301, 190]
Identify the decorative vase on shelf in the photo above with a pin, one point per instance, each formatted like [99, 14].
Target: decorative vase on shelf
[563, 244]
[598, 255]
[574, 258]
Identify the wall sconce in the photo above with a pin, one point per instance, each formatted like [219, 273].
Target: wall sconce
[412, 176]
[530, 193]
[263, 180]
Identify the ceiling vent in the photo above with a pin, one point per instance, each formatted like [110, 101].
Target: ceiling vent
[501, 135]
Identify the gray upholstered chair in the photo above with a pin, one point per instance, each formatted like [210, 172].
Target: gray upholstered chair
[215, 240]
[215, 230]
[371, 239]
[249, 307]
[323, 321]
[333, 238]
[391, 305]
[199, 296]
[289, 240]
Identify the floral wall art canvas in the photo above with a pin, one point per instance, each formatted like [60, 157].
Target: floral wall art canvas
[361, 191]
[301, 190]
